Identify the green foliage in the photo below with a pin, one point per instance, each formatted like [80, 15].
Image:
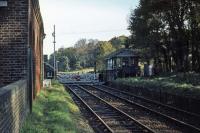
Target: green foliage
[104, 49]
[168, 32]
[187, 84]
[87, 53]
[82, 55]
[119, 42]
[55, 112]
[84, 70]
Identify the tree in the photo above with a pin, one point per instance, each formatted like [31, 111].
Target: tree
[119, 42]
[87, 53]
[167, 31]
[104, 48]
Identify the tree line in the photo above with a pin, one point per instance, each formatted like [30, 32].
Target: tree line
[87, 53]
[167, 32]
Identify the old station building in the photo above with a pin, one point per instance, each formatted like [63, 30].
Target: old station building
[21, 53]
[122, 63]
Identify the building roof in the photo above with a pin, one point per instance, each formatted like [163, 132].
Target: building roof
[123, 53]
[48, 66]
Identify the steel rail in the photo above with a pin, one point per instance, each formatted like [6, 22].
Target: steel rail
[108, 128]
[181, 123]
[155, 102]
[123, 113]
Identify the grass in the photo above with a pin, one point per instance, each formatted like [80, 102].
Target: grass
[85, 70]
[186, 84]
[55, 112]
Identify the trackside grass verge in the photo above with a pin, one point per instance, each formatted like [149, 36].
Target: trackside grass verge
[184, 84]
[84, 70]
[55, 112]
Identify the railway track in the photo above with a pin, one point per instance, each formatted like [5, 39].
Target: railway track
[157, 121]
[105, 117]
[186, 117]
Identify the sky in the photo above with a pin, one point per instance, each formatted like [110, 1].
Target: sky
[90, 19]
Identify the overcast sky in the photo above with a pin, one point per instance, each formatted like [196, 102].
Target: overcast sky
[90, 19]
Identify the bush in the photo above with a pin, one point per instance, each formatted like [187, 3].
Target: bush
[187, 84]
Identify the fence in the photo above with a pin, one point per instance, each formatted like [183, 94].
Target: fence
[75, 78]
[14, 105]
[182, 102]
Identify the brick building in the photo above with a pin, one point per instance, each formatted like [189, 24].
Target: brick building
[21, 53]
[21, 42]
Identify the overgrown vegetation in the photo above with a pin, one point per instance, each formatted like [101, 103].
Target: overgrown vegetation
[55, 112]
[187, 84]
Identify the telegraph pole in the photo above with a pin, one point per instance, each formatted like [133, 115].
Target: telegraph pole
[54, 57]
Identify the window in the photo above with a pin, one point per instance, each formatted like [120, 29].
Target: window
[3, 3]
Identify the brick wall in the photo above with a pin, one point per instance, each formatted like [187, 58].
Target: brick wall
[36, 36]
[13, 106]
[21, 27]
[13, 41]
[21, 33]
